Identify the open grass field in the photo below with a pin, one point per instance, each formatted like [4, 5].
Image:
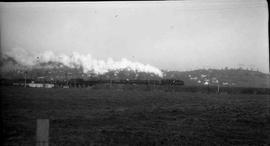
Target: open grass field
[82, 116]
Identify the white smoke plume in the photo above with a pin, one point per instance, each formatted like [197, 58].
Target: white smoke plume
[87, 62]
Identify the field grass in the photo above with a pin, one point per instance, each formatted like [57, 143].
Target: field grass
[82, 116]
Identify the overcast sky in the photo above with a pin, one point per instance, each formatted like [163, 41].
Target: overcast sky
[174, 35]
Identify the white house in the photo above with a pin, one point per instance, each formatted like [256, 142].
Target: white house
[194, 78]
[48, 85]
[203, 76]
[225, 83]
[65, 86]
[35, 85]
[40, 85]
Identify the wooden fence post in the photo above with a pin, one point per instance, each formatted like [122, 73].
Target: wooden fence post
[42, 132]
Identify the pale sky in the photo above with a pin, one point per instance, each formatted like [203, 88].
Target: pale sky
[173, 35]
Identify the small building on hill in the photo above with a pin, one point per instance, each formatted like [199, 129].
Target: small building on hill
[40, 85]
[35, 85]
[48, 85]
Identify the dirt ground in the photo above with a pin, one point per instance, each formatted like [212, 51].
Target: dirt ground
[82, 116]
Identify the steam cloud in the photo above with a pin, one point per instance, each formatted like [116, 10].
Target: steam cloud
[87, 62]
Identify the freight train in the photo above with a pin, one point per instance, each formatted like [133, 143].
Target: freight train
[85, 83]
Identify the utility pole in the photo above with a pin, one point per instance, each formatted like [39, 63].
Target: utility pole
[218, 87]
[25, 78]
[110, 83]
[66, 78]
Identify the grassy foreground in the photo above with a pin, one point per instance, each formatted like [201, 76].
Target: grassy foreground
[82, 116]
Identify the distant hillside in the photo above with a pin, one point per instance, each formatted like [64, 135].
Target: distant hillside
[226, 77]
[57, 71]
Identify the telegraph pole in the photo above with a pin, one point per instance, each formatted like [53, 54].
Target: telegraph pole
[25, 78]
[218, 87]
